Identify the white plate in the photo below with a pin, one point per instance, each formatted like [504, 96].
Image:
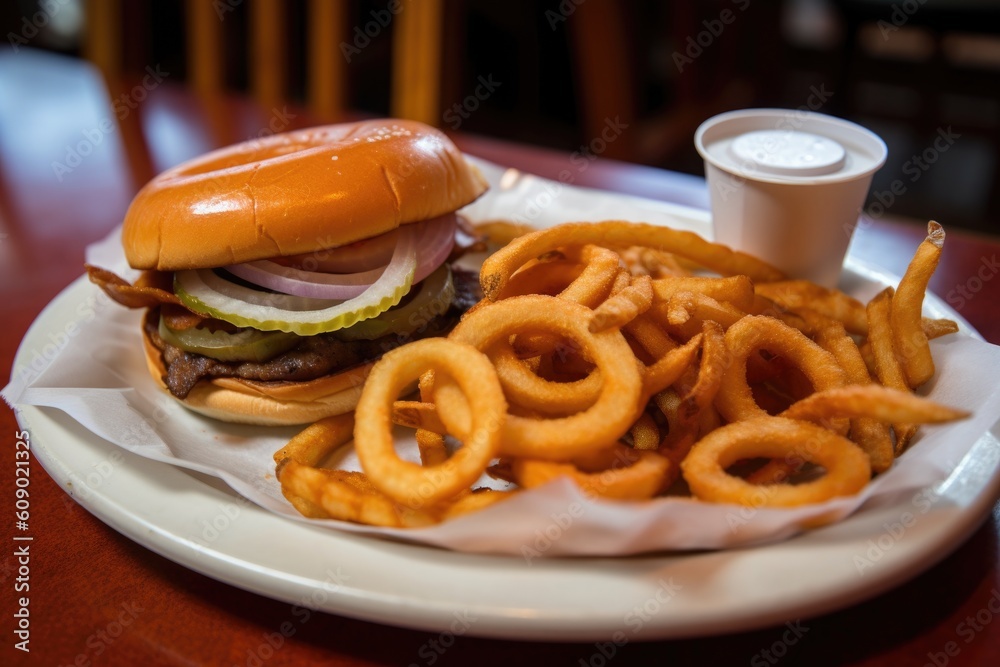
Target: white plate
[197, 521]
[173, 511]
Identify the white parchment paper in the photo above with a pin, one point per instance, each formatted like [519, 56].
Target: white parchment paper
[95, 372]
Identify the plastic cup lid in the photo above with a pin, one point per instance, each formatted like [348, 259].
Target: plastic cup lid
[791, 153]
[789, 146]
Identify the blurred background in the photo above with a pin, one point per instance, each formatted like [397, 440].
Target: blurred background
[626, 80]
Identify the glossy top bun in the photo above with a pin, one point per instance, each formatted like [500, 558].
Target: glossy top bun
[296, 192]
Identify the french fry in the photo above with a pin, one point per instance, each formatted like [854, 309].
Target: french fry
[869, 433]
[624, 306]
[796, 294]
[497, 268]
[907, 328]
[737, 291]
[621, 376]
[887, 367]
[318, 440]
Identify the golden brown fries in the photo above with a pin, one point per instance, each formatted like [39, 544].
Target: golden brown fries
[623, 306]
[498, 268]
[870, 434]
[621, 356]
[834, 304]
[909, 339]
[888, 369]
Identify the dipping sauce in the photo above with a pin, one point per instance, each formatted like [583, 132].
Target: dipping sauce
[788, 185]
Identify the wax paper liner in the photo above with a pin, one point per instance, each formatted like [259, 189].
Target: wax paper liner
[96, 373]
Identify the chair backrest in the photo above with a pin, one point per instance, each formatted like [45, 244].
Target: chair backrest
[416, 64]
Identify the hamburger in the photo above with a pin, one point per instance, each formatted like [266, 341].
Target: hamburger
[276, 271]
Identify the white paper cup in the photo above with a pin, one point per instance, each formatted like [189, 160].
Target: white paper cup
[788, 185]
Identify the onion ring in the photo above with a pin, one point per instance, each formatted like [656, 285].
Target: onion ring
[407, 483]
[525, 388]
[584, 274]
[615, 410]
[704, 469]
[735, 400]
[590, 287]
[498, 268]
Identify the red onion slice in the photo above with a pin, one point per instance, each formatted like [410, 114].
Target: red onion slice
[203, 291]
[356, 257]
[434, 238]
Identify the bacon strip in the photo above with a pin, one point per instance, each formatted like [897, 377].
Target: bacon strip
[151, 289]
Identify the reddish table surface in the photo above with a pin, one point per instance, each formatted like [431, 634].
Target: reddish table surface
[99, 598]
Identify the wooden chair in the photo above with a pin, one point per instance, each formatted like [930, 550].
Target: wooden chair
[728, 75]
[417, 48]
[117, 33]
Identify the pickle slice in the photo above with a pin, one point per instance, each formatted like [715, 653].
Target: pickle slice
[243, 345]
[203, 291]
[433, 297]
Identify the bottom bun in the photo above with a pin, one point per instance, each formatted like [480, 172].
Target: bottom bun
[267, 403]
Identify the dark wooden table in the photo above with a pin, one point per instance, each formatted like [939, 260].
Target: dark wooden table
[97, 598]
